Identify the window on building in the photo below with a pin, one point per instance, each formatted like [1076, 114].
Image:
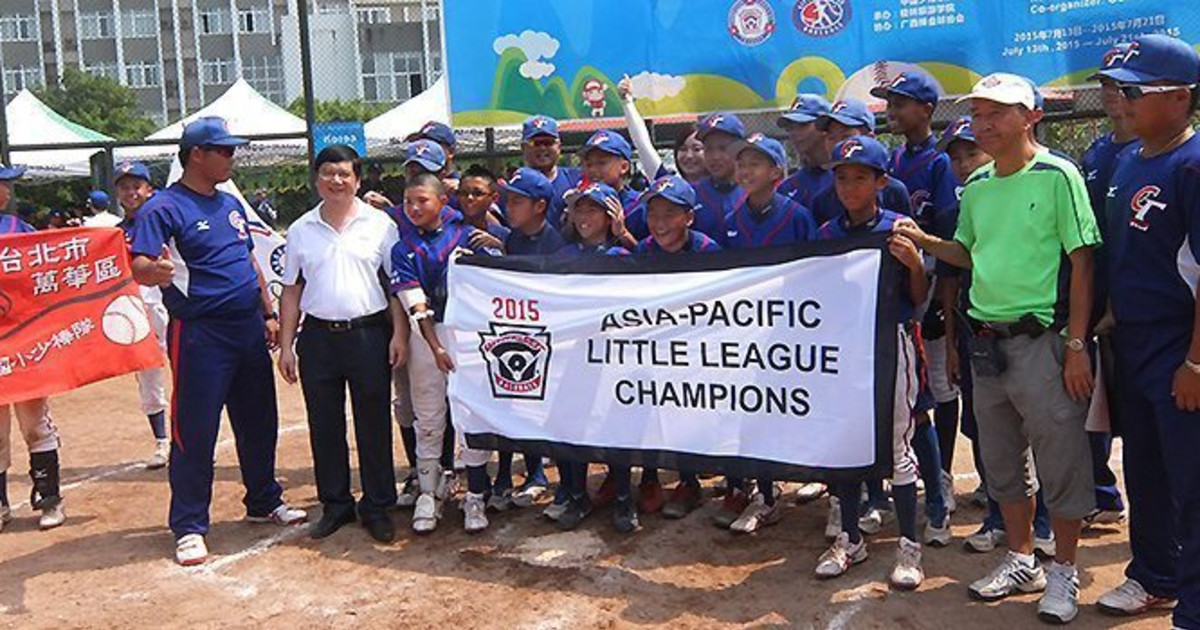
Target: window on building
[392, 76]
[104, 69]
[333, 7]
[18, 28]
[138, 24]
[214, 21]
[96, 25]
[22, 78]
[142, 74]
[216, 71]
[254, 20]
[411, 12]
[265, 74]
[375, 15]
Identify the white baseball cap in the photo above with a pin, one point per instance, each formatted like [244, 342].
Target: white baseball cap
[1004, 88]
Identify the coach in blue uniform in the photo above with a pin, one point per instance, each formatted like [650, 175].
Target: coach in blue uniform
[800, 123]
[221, 325]
[542, 148]
[1153, 216]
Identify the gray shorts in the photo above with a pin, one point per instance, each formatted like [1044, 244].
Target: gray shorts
[1028, 406]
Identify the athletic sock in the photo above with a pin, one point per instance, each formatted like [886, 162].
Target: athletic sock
[905, 498]
[158, 424]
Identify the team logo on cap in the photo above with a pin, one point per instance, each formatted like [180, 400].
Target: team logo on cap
[1142, 203]
[991, 81]
[239, 223]
[960, 127]
[518, 360]
[751, 22]
[850, 147]
[898, 81]
[598, 139]
[539, 122]
[125, 167]
[821, 18]
[838, 107]
[663, 184]
[756, 138]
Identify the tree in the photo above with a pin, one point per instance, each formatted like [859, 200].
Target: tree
[98, 103]
[354, 110]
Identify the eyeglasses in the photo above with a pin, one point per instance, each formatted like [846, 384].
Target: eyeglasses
[329, 177]
[224, 151]
[1134, 91]
[543, 142]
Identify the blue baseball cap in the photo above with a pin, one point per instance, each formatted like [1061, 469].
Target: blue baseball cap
[769, 147]
[539, 126]
[863, 150]
[915, 85]
[609, 142]
[1157, 58]
[673, 188]
[131, 169]
[957, 130]
[850, 112]
[1113, 58]
[11, 173]
[805, 109]
[528, 182]
[438, 132]
[98, 199]
[600, 193]
[721, 122]
[427, 154]
[209, 131]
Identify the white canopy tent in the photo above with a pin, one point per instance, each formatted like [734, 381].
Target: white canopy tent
[30, 121]
[247, 112]
[396, 124]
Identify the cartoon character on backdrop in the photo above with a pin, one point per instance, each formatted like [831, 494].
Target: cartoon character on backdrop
[593, 96]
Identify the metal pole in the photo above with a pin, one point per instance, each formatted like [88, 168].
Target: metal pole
[3, 118]
[310, 106]
[427, 58]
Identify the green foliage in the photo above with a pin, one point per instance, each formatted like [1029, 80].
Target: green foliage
[354, 110]
[98, 103]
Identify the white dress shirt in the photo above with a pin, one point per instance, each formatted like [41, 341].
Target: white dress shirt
[341, 269]
[102, 219]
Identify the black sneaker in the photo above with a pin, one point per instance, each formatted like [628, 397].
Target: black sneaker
[577, 510]
[625, 517]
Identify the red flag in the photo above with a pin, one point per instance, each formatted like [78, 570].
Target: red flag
[70, 312]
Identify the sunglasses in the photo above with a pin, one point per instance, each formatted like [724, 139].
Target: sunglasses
[223, 151]
[1133, 91]
[543, 142]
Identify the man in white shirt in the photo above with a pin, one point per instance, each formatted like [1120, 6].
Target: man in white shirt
[335, 256]
[99, 214]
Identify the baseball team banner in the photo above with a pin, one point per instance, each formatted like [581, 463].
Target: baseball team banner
[70, 312]
[779, 360]
[508, 59]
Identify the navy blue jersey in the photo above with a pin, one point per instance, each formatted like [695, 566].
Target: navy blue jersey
[697, 242]
[208, 240]
[1153, 217]
[568, 178]
[925, 172]
[714, 203]
[10, 224]
[805, 183]
[635, 213]
[546, 242]
[421, 259]
[1098, 164]
[883, 222]
[607, 248]
[827, 207]
[784, 222]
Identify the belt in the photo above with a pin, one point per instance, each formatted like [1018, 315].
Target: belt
[346, 325]
[1028, 326]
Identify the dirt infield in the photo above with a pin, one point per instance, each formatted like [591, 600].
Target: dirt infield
[111, 565]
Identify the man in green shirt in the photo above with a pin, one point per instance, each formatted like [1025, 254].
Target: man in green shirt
[1019, 216]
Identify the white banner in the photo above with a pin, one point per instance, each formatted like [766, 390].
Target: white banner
[733, 362]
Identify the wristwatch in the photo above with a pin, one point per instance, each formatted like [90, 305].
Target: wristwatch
[270, 316]
[1076, 345]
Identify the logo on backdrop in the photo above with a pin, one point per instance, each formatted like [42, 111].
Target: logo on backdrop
[751, 22]
[518, 360]
[277, 260]
[821, 18]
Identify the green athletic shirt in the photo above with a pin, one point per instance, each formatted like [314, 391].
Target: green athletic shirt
[1017, 229]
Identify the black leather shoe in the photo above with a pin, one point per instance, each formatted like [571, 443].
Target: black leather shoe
[330, 522]
[381, 529]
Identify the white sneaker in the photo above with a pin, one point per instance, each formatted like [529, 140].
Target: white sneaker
[907, 574]
[527, 495]
[162, 453]
[985, 540]
[1103, 517]
[833, 523]
[948, 492]
[407, 496]
[5, 516]
[809, 492]
[937, 536]
[474, 518]
[1059, 604]
[1013, 575]
[872, 521]
[52, 516]
[501, 501]
[1130, 599]
[283, 515]
[425, 514]
[1045, 547]
[840, 557]
[756, 515]
[447, 486]
[190, 550]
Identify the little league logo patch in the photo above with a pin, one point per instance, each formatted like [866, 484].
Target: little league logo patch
[239, 223]
[821, 18]
[277, 259]
[518, 360]
[751, 22]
